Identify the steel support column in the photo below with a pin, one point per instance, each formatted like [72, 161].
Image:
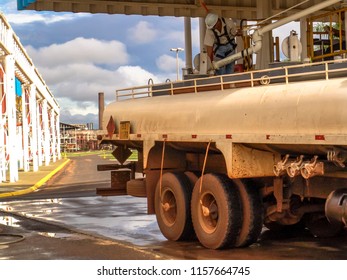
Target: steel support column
[188, 44]
[46, 134]
[39, 132]
[11, 117]
[25, 130]
[33, 128]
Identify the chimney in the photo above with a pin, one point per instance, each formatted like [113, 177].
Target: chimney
[101, 109]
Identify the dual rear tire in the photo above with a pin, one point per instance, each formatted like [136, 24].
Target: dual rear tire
[221, 213]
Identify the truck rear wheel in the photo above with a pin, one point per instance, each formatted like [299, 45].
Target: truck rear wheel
[172, 207]
[252, 213]
[216, 212]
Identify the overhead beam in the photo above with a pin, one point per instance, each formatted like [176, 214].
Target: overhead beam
[139, 8]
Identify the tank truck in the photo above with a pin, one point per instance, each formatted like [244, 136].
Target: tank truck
[221, 157]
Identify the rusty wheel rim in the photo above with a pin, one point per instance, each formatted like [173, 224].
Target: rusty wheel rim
[169, 207]
[209, 213]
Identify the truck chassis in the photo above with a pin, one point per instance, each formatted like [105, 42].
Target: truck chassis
[222, 185]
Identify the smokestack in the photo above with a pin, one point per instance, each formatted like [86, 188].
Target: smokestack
[101, 109]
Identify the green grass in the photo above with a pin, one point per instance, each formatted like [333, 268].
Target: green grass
[102, 153]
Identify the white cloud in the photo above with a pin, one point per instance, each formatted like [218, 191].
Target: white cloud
[29, 17]
[174, 36]
[133, 76]
[75, 72]
[142, 33]
[167, 63]
[80, 50]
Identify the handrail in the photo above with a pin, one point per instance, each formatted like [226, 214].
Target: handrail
[332, 44]
[284, 74]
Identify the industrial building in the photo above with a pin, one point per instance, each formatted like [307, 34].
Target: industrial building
[29, 122]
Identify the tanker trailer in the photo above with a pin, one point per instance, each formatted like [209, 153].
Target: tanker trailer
[223, 156]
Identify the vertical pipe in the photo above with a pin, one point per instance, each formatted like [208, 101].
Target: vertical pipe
[303, 37]
[101, 109]
[188, 44]
[202, 31]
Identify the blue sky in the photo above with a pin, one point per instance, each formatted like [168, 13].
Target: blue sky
[81, 54]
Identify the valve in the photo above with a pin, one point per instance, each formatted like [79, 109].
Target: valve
[312, 168]
[281, 166]
[294, 168]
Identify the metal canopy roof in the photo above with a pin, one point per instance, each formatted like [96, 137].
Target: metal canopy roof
[237, 9]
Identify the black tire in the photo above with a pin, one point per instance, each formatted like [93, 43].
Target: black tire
[192, 177]
[252, 213]
[220, 227]
[172, 207]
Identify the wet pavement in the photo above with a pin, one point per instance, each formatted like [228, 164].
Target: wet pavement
[68, 204]
[56, 220]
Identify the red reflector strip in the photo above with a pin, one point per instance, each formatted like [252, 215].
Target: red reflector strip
[319, 137]
[194, 136]
[228, 136]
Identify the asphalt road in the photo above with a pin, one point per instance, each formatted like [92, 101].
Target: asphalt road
[66, 220]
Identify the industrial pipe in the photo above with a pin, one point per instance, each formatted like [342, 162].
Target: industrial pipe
[257, 35]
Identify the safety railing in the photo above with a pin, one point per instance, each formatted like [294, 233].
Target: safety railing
[283, 74]
[326, 35]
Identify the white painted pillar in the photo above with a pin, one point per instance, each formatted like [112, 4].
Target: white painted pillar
[57, 129]
[12, 118]
[39, 132]
[54, 136]
[33, 128]
[2, 128]
[25, 130]
[19, 145]
[46, 134]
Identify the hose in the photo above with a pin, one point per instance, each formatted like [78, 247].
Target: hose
[18, 236]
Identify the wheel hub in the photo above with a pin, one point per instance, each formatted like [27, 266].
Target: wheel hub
[169, 208]
[209, 212]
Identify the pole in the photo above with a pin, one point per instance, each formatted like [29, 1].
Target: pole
[177, 66]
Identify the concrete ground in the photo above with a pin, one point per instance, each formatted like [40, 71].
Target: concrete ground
[24, 238]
